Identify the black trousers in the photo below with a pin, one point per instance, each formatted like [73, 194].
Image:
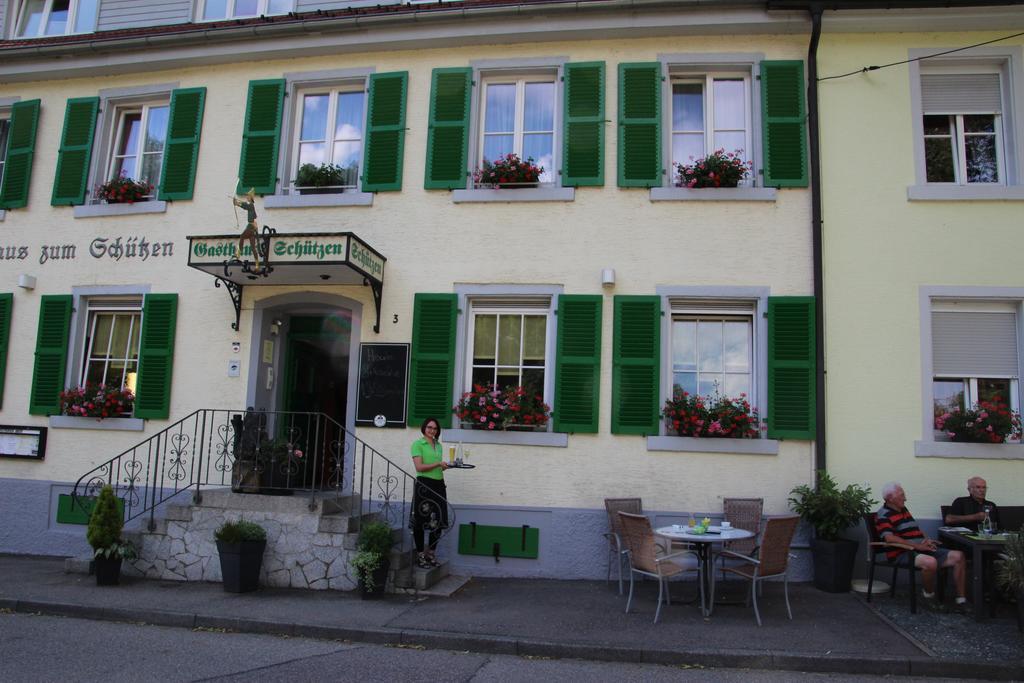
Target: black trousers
[429, 511]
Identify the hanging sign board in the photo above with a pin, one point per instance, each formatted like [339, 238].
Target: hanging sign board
[383, 384]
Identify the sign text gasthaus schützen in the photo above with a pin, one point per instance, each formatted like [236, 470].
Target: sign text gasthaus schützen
[292, 249]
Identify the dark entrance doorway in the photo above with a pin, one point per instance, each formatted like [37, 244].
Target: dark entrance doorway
[316, 375]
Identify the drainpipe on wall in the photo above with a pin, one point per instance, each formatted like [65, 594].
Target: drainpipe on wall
[816, 229]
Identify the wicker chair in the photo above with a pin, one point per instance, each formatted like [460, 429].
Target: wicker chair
[772, 560]
[647, 558]
[743, 513]
[616, 546]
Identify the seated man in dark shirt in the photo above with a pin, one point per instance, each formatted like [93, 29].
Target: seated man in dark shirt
[895, 524]
[969, 511]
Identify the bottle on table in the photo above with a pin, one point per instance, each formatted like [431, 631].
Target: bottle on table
[986, 523]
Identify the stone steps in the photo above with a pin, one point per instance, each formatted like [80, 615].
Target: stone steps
[306, 548]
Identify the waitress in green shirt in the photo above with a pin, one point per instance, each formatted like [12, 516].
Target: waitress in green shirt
[430, 497]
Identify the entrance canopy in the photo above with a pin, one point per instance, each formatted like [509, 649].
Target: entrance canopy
[305, 258]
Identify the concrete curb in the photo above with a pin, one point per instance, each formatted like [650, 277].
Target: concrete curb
[507, 645]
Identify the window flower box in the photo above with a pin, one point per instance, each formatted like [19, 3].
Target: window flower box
[716, 417]
[987, 422]
[508, 173]
[124, 190]
[97, 401]
[718, 169]
[514, 408]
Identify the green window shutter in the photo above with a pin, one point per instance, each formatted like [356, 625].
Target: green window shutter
[185, 123]
[6, 304]
[69, 184]
[640, 124]
[791, 367]
[636, 364]
[433, 358]
[261, 137]
[156, 356]
[21, 147]
[583, 146]
[51, 354]
[385, 132]
[448, 131]
[578, 363]
[784, 119]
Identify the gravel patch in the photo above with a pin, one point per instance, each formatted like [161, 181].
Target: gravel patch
[956, 636]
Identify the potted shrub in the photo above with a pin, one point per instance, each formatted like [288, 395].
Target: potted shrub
[718, 169]
[831, 511]
[508, 172]
[322, 179]
[104, 535]
[1010, 572]
[240, 546]
[372, 558]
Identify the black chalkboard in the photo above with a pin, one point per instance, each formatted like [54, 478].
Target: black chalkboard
[383, 382]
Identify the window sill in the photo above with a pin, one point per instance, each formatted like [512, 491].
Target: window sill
[955, 193]
[689, 444]
[114, 424]
[714, 194]
[949, 449]
[97, 210]
[552, 439]
[527, 194]
[298, 201]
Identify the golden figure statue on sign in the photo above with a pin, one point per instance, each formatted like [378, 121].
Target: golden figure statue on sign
[251, 229]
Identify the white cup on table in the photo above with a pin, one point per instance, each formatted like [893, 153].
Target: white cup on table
[726, 525]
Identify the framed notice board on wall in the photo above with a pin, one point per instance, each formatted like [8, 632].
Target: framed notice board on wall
[22, 442]
[383, 384]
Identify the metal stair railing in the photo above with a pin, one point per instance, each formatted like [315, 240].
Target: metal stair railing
[277, 453]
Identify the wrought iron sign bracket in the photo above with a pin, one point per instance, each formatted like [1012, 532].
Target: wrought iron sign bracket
[378, 293]
[235, 292]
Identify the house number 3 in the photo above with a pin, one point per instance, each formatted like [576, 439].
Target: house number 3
[395, 319]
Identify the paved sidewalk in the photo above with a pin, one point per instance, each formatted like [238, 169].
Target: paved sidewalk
[578, 619]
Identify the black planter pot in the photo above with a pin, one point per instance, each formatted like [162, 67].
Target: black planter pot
[380, 579]
[833, 564]
[108, 571]
[240, 565]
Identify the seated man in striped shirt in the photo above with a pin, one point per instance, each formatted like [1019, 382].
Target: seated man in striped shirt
[896, 524]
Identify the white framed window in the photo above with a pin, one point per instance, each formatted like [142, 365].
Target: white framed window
[137, 142]
[710, 112]
[329, 129]
[507, 343]
[962, 122]
[712, 347]
[110, 345]
[967, 124]
[517, 115]
[975, 355]
[212, 10]
[35, 18]
[5, 132]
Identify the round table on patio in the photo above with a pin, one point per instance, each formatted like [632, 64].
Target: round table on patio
[704, 542]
